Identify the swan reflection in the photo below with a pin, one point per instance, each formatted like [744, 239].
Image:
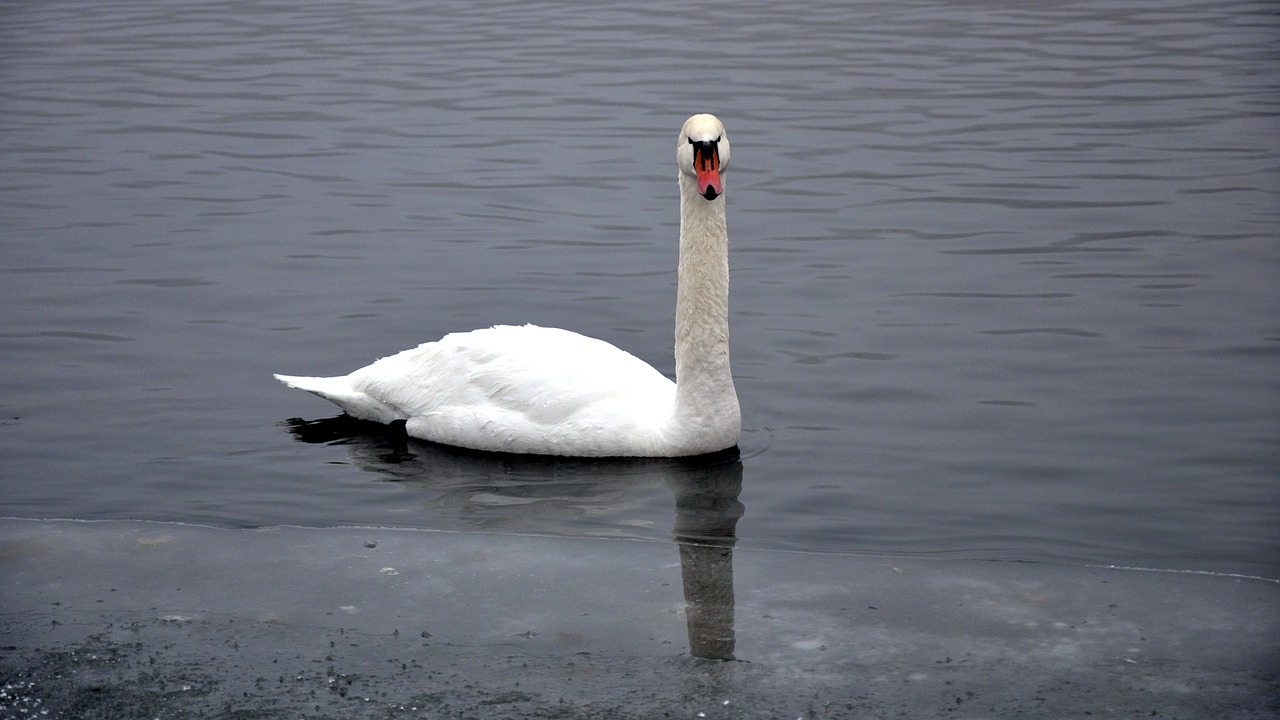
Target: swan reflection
[707, 512]
[510, 493]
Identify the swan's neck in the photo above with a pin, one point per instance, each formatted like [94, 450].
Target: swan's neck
[706, 404]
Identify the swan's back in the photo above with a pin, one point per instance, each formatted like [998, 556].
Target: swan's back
[520, 389]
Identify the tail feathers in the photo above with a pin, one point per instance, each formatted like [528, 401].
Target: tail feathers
[322, 386]
[338, 390]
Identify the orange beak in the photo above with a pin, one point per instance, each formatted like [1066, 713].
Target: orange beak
[706, 161]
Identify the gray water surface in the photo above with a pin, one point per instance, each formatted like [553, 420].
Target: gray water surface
[1004, 277]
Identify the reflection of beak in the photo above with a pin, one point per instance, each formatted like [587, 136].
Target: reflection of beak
[706, 161]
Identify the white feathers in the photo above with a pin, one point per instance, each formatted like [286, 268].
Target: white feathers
[528, 389]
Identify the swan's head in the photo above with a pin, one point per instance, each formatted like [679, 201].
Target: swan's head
[702, 151]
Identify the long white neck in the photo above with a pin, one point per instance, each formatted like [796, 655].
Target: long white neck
[706, 404]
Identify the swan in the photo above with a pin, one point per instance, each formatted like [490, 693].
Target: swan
[535, 390]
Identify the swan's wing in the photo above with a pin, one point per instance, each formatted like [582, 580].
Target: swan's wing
[524, 386]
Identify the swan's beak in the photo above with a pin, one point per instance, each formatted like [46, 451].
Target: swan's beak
[706, 161]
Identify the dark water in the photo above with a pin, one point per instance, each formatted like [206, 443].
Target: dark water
[1004, 279]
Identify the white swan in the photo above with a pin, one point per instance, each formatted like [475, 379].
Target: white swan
[554, 392]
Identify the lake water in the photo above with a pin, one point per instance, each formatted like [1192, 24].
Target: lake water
[1004, 275]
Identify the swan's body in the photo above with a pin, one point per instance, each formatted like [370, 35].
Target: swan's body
[554, 392]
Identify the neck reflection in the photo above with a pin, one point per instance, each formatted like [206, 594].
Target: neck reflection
[707, 512]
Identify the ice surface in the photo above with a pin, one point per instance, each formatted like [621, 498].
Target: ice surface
[112, 616]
